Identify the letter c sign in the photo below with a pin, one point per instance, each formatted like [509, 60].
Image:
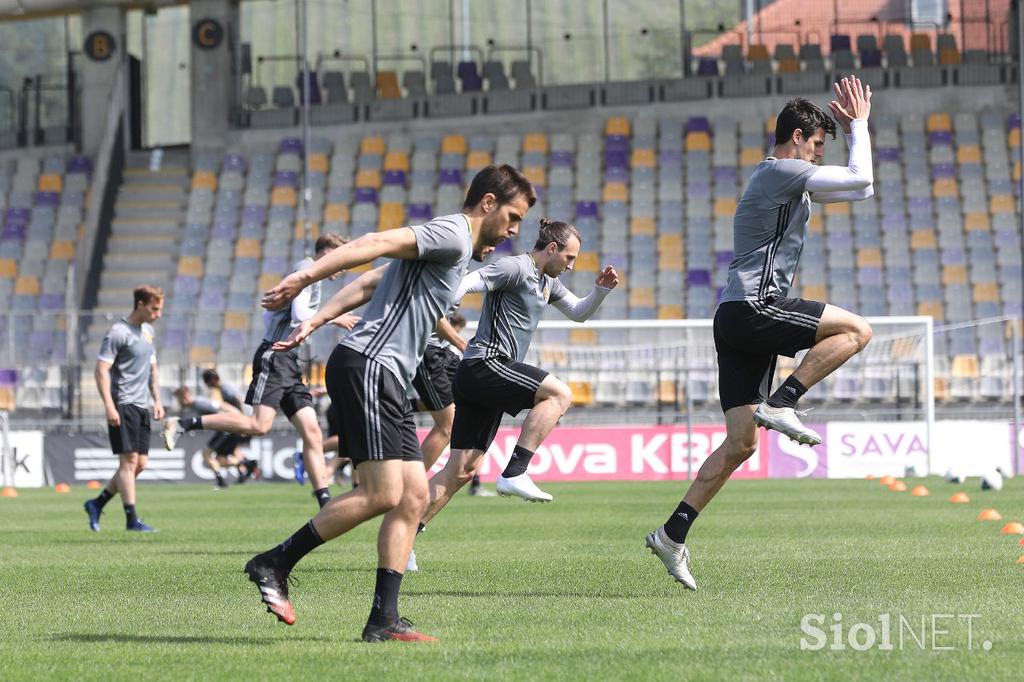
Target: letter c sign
[207, 34]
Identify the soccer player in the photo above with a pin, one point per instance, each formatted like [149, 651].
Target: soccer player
[223, 449]
[434, 388]
[756, 321]
[492, 378]
[458, 323]
[277, 384]
[368, 377]
[125, 370]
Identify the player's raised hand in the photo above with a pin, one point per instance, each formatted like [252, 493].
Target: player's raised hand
[298, 335]
[853, 101]
[607, 278]
[345, 321]
[287, 289]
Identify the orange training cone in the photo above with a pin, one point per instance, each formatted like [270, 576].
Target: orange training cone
[886, 480]
[870, 477]
[1022, 541]
[8, 491]
[920, 491]
[1021, 560]
[990, 515]
[1013, 528]
[898, 487]
[959, 498]
[62, 488]
[93, 485]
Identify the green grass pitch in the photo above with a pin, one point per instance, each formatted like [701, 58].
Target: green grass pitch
[520, 591]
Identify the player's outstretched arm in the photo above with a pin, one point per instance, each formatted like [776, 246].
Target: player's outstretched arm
[352, 295]
[398, 243]
[580, 309]
[446, 331]
[851, 108]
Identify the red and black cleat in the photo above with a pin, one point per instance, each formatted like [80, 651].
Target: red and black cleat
[273, 586]
[401, 630]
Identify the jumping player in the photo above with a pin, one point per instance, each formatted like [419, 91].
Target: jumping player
[223, 449]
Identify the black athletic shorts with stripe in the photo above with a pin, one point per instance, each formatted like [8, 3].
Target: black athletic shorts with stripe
[486, 388]
[223, 444]
[432, 382]
[133, 433]
[372, 409]
[277, 381]
[750, 335]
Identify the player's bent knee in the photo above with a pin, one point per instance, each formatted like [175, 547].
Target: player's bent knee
[862, 333]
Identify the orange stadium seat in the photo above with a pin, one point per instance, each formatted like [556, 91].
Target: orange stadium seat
[318, 162]
[758, 53]
[453, 144]
[372, 145]
[615, 191]
[1013, 139]
[478, 158]
[387, 85]
[670, 243]
[248, 248]
[949, 56]
[938, 121]
[537, 175]
[336, 213]
[190, 266]
[920, 41]
[299, 230]
[769, 124]
[583, 336]
[472, 302]
[671, 262]
[642, 297]
[203, 180]
[643, 158]
[670, 311]
[200, 354]
[8, 268]
[697, 141]
[933, 308]
[985, 292]
[725, 207]
[751, 156]
[618, 125]
[945, 187]
[838, 208]
[283, 196]
[368, 177]
[7, 399]
[669, 392]
[816, 225]
[236, 320]
[923, 239]
[968, 153]
[535, 142]
[27, 285]
[642, 225]
[396, 161]
[50, 182]
[815, 292]
[1002, 203]
[587, 261]
[977, 221]
[869, 258]
[1016, 171]
[954, 274]
[390, 216]
[269, 280]
[582, 393]
[965, 367]
[62, 249]
[789, 65]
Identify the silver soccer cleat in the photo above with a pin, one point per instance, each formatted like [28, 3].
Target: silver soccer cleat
[786, 421]
[675, 556]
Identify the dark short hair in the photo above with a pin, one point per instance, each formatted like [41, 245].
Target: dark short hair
[504, 182]
[328, 240]
[457, 321]
[557, 232]
[804, 115]
[210, 376]
[146, 293]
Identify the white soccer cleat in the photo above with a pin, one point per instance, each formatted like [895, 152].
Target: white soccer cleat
[172, 431]
[675, 556]
[410, 565]
[785, 421]
[522, 486]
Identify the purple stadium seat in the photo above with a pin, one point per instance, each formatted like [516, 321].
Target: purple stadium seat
[275, 264]
[586, 209]
[943, 138]
[470, 77]
[769, 140]
[707, 66]
[871, 59]
[1006, 238]
[698, 278]
[224, 230]
[51, 302]
[505, 248]
[616, 143]
[286, 178]
[211, 300]
[186, 285]
[8, 378]
[175, 339]
[839, 240]
[561, 158]
[1013, 121]
[723, 258]
[991, 346]
[234, 162]
[47, 199]
[869, 276]
[919, 205]
[616, 159]
[670, 157]
[291, 145]
[698, 124]
[41, 340]
[254, 214]
[840, 42]
[394, 177]
[901, 292]
[18, 215]
[80, 164]
[888, 154]
[13, 232]
[698, 189]
[943, 170]
[420, 212]
[450, 176]
[366, 195]
[725, 174]
[953, 257]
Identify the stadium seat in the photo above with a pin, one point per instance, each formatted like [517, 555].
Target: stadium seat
[453, 144]
[387, 85]
[369, 178]
[283, 196]
[372, 145]
[391, 216]
[617, 125]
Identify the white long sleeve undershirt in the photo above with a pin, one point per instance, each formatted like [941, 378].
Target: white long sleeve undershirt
[854, 182]
[580, 309]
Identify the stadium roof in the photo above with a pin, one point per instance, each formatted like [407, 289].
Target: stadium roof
[15, 10]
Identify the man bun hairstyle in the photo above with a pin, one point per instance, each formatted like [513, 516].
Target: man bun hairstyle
[328, 240]
[210, 376]
[146, 294]
[555, 231]
[504, 182]
[804, 115]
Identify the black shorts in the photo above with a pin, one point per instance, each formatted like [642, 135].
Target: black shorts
[486, 388]
[277, 381]
[372, 409]
[432, 382]
[333, 427]
[749, 335]
[224, 444]
[133, 433]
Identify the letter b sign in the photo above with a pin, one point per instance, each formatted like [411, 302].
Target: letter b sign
[100, 46]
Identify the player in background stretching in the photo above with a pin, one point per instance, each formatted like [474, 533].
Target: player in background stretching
[126, 371]
[756, 321]
[368, 378]
[277, 384]
[223, 449]
[454, 357]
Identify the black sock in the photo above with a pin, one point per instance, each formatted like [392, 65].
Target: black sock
[518, 463]
[322, 495]
[787, 394]
[219, 476]
[130, 517]
[103, 498]
[422, 527]
[385, 597]
[304, 541]
[191, 423]
[678, 525]
[475, 483]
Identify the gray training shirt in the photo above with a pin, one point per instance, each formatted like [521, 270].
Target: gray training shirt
[517, 294]
[131, 355]
[435, 339]
[768, 230]
[278, 324]
[413, 295]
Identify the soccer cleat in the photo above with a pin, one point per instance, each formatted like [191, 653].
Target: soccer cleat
[411, 566]
[221, 482]
[785, 421]
[299, 466]
[401, 630]
[94, 511]
[172, 431]
[522, 486]
[273, 586]
[140, 527]
[675, 556]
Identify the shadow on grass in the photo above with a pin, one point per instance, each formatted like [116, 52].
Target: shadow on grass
[120, 638]
[464, 594]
